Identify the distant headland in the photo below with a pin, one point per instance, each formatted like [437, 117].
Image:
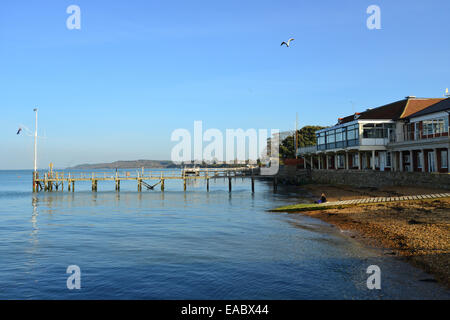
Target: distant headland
[132, 164]
[149, 164]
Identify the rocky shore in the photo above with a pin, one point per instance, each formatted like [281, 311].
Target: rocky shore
[418, 231]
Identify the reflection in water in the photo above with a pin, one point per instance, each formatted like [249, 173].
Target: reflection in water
[34, 225]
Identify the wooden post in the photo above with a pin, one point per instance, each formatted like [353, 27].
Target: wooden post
[184, 183]
[73, 185]
[94, 185]
[253, 184]
[207, 184]
[162, 184]
[229, 183]
[34, 181]
[117, 184]
[68, 185]
[139, 184]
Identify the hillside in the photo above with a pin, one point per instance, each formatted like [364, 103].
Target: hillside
[128, 165]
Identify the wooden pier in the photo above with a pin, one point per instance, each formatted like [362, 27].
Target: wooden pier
[56, 181]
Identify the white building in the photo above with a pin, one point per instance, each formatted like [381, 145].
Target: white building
[364, 141]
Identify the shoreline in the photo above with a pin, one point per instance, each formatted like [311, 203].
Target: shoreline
[417, 231]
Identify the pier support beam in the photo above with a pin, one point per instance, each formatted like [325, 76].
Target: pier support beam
[139, 187]
[117, 185]
[73, 186]
[162, 185]
[207, 184]
[229, 184]
[253, 184]
[184, 184]
[94, 185]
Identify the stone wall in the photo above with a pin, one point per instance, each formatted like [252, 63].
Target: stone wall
[381, 178]
[292, 175]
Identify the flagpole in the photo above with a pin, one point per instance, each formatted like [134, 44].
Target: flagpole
[35, 150]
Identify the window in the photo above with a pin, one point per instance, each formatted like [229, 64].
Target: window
[444, 159]
[419, 160]
[388, 159]
[355, 160]
[340, 161]
[435, 126]
[416, 131]
[321, 141]
[376, 130]
[353, 135]
[330, 136]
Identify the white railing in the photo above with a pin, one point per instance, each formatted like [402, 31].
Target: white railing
[304, 150]
[418, 135]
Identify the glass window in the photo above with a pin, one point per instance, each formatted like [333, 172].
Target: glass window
[388, 159]
[444, 159]
[419, 160]
[355, 159]
[340, 161]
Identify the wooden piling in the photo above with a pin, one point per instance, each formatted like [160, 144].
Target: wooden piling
[139, 185]
[207, 184]
[184, 183]
[73, 185]
[229, 184]
[253, 184]
[34, 181]
[162, 184]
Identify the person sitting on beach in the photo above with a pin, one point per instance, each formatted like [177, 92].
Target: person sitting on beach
[322, 199]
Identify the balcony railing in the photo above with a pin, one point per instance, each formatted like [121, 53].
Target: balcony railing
[304, 150]
[418, 135]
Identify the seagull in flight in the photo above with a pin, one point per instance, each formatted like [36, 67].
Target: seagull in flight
[288, 42]
[18, 131]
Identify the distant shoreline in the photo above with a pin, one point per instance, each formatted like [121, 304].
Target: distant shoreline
[131, 164]
[146, 164]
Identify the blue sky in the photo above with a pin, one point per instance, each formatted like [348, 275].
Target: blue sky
[137, 70]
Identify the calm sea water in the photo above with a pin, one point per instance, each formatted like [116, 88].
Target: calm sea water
[183, 245]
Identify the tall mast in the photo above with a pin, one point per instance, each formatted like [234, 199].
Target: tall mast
[35, 140]
[296, 136]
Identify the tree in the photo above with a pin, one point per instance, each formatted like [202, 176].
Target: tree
[306, 138]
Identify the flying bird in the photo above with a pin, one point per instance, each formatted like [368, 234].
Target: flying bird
[287, 43]
[18, 131]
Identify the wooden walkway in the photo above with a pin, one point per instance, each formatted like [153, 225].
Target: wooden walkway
[385, 199]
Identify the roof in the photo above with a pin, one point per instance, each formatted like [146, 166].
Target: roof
[437, 107]
[394, 111]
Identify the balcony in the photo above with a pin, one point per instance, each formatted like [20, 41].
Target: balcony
[410, 136]
[307, 150]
